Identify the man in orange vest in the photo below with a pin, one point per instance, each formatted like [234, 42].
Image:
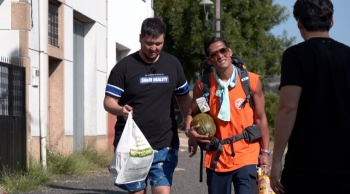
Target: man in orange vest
[231, 119]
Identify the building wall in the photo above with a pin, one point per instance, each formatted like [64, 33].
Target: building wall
[60, 74]
[124, 24]
[108, 26]
[7, 35]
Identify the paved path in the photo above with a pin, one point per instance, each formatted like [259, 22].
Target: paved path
[186, 179]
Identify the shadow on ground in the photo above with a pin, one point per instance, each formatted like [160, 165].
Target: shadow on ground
[83, 191]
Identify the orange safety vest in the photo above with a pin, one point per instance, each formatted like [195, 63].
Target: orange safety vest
[246, 153]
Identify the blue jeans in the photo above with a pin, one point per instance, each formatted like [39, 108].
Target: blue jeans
[243, 179]
[161, 172]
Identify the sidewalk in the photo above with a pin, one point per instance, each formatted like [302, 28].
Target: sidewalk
[183, 139]
[186, 179]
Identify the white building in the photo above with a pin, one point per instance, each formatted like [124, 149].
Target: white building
[68, 48]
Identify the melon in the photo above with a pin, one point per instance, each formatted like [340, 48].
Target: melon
[206, 124]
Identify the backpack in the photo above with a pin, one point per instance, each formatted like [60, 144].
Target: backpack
[250, 134]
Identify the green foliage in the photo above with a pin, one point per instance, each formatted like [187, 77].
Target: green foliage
[186, 31]
[101, 160]
[271, 105]
[245, 24]
[78, 163]
[32, 179]
[72, 164]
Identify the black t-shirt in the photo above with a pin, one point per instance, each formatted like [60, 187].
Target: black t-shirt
[148, 89]
[320, 138]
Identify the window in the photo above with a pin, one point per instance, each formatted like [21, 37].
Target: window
[53, 24]
[4, 91]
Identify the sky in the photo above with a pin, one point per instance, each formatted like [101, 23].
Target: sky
[339, 32]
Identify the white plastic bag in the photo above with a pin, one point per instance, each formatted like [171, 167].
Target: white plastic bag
[133, 157]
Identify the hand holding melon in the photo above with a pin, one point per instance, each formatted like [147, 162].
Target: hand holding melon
[206, 124]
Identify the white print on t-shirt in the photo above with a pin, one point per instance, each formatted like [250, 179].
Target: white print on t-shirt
[154, 79]
[238, 103]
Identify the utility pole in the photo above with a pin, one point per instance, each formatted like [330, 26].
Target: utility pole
[218, 18]
[217, 21]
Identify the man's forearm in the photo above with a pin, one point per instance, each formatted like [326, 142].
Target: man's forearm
[284, 123]
[184, 103]
[188, 120]
[117, 110]
[112, 106]
[265, 140]
[265, 133]
[285, 118]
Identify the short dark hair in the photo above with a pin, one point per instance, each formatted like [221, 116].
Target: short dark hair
[153, 27]
[210, 41]
[315, 15]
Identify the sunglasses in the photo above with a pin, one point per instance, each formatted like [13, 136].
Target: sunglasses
[214, 55]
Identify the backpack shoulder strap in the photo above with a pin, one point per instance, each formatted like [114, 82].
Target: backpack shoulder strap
[205, 82]
[243, 74]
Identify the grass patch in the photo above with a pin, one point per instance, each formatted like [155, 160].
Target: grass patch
[75, 164]
[35, 177]
[100, 160]
[78, 163]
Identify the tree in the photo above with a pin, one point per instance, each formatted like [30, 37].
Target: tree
[246, 25]
[271, 105]
[186, 31]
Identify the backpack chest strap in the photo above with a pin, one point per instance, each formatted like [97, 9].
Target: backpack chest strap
[219, 143]
[249, 134]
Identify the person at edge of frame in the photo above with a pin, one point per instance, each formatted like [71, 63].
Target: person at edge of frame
[230, 120]
[144, 83]
[314, 108]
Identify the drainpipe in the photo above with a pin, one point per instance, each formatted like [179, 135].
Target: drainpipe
[42, 81]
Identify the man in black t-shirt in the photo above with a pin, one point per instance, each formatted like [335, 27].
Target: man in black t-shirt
[144, 83]
[313, 115]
